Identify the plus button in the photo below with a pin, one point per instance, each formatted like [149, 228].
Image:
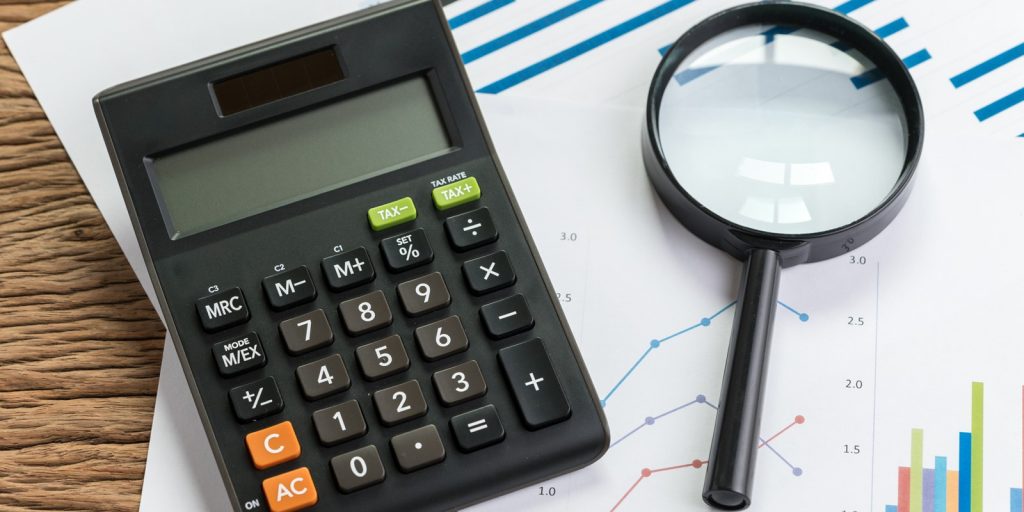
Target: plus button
[535, 382]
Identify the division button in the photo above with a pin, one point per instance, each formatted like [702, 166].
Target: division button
[392, 214]
[323, 377]
[365, 313]
[239, 354]
[471, 229]
[383, 358]
[506, 317]
[534, 383]
[442, 338]
[424, 294]
[290, 491]
[289, 288]
[222, 310]
[477, 429]
[460, 383]
[488, 273]
[273, 445]
[454, 194]
[348, 269]
[418, 448]
[256, 400]
[358, 469]
[406, 251]
[339, 423]
[306, 332]
[400, 403]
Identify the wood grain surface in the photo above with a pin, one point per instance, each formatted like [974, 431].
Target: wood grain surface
[80, 344]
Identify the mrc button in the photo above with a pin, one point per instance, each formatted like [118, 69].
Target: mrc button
[222, 310]
[239, 354]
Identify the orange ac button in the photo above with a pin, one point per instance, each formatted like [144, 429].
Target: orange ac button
[273, 445]
[290, 491]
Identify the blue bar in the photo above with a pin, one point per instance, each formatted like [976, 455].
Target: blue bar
[1000, 105]
[988, 66]
[1015, 500]
[851, 5]
[965, 472]
[940, 485]
[688, 75]
[869, 77]
[527, 30]
[477, 12]
[891, 28]
[579, 49]
[891, 508]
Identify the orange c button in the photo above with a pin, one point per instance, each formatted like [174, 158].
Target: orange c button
[290, 491]
[273, 445]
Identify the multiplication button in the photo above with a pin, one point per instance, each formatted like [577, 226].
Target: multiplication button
[406, 251]
[470, 230]
[488, 273]
[256, 399]
[506, 317]
[534, 383]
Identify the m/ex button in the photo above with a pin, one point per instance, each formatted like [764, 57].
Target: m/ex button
[239, 354]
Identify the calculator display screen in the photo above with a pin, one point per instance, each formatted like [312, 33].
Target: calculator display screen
[300, 156]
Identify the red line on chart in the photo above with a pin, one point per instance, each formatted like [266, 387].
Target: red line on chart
[796, 421]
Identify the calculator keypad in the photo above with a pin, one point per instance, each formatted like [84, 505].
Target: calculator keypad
[400, 403]
[506, 317]
[290, 491]
[222, 310]
[239, 354]
[323, 377]
[256, 400]
[406, 251]
[471, 230]
[489, 273]
[534, 384]
[442, 338]
[365, 313]
[348, 269]
[289, 288]
[460, 383]
[306, 332]
[358, 469]
[418, 448]
[477, 429]
[273, 445]
[339, 423]
[424, 294]
[383, 358]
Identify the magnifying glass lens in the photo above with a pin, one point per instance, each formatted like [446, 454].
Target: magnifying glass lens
[782, 130]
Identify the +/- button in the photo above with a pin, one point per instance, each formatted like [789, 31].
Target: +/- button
[289, 288]
[256, 400]
[222, 310]
[392, 214]
[455, 194]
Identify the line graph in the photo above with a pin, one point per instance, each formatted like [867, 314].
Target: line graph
[704, 322]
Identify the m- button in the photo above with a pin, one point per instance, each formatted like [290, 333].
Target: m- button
[273, 445]
[222, 310]
[289, 288]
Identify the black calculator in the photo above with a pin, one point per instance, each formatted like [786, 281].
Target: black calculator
[362, 316]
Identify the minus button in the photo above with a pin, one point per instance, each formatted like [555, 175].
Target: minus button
[506, 317]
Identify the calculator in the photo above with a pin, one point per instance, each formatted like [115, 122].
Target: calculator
[363, 319]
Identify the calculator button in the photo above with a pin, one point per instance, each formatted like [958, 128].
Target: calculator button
[339, 423]
[365, 313]
[470, 230]
[506, 317]
[256, 400]
[222, 310]
[289, 288]
[455, 194]
[358, 469]
[239, 354]
[478, 428]
[488, 273]
[400, 403]
[441, 338]
[424, 294]
[418, 448]
[348, 269]
[382, 358]
[306, 332]
[323, 377]
[406, 251]
[273, 445]
[460, 383]
[392, 214]
[534, 384]
[290, 491]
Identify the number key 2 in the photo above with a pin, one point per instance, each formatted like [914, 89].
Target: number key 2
[400, 403]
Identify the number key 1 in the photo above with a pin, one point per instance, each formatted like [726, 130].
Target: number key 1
[339, 423]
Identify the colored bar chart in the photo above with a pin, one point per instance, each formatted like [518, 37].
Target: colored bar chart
[477, 12]
[937, 488]
[987, 68]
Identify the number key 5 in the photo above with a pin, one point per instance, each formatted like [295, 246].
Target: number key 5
[382, 358]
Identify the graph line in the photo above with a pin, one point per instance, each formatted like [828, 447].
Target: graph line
[477, 12]
[988, 66]
[704, 322]
[527, 30]
[874, 75]
[1000, 105]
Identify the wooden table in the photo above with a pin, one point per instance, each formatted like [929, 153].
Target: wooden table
[80, 344]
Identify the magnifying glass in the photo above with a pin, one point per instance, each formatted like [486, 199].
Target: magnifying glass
[781, 133]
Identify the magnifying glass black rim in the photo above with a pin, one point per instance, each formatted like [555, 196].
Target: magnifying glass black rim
[737, 239]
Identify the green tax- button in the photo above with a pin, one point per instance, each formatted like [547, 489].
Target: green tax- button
[392, 214]
[454, 194]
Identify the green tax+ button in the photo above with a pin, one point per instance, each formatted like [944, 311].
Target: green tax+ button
[392, 214]
[454, 194]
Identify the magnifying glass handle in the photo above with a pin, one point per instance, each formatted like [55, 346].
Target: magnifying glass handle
[730, 473]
